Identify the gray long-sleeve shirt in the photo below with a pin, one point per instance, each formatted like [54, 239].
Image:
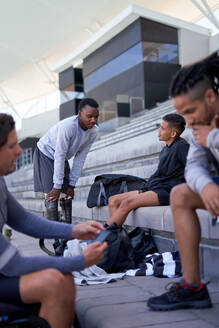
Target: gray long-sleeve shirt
[11, 262]
[63, 141]
[198, 167]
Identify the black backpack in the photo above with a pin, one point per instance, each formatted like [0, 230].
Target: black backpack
[107, 185]
[119, 255]
[143, 244]
[126, 250]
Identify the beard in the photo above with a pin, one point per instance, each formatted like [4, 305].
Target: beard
[208, 116]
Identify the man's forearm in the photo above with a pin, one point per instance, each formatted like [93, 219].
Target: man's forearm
[19, 265]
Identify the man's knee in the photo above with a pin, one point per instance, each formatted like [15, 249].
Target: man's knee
[49, 283]
[181, 195]
[56, 279]
[53, 281]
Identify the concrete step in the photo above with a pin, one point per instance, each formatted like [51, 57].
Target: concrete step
[30, 194]
[149, 113]
[145, 123]
[149, 117]
[122, 304]
[33, 205]
[124, 135]
[17, 187]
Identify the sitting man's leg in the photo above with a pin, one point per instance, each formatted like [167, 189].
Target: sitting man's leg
[115, 201]
[184, 202]
[54, 291]
[120, 205]
[191, 293]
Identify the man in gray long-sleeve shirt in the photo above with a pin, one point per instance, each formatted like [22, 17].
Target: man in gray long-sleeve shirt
[71, 137]
[195, 92]
[44, 280]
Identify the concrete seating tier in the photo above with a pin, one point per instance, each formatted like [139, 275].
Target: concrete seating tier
[139, 125]
[158, 112]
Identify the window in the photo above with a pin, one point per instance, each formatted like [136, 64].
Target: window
[26, 158]
[143, 51]
[160, 52]
[122, 63]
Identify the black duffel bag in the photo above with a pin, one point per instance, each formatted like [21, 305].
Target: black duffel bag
[107, 185]
[126, 250]
[119, 255]
[142, 243]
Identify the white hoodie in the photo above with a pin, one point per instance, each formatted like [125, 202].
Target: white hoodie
[63, 141]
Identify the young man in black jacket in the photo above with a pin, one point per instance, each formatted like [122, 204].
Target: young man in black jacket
[169, 173]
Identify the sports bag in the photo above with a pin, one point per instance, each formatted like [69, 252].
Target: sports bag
[126, 250]
[142, 243]
[119, 255]
[107, 185]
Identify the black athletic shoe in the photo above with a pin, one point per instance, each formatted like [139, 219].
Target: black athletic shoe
[181, 296]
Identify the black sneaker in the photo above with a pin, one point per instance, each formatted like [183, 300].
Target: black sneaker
[181, 296]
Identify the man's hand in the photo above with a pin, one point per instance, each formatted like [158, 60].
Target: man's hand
[86, 230]
[53, 195]
[210, 198]
[70, 192]
[93, 253]
[201, 131]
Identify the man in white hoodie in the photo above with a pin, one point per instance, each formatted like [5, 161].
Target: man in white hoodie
[195, 93]
[71, 137]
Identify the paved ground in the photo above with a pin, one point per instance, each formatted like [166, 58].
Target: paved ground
[122, 304]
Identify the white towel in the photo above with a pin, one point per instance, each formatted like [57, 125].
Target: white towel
[92, 275]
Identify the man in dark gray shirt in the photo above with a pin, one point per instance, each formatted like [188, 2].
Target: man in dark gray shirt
[46, 281]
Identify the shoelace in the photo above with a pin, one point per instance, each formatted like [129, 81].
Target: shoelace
[173, 287]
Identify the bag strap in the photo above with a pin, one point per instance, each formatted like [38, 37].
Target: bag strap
[128, 240]
[102, 193]
[114, 252]
[123, 187]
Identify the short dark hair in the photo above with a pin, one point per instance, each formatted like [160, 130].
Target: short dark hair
[7, 124]
[87, 101]
[198, 77]
[176, 122]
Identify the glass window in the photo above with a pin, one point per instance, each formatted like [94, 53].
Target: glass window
[120, 64]
[147, 51]
[160, 52]
[25, 158]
